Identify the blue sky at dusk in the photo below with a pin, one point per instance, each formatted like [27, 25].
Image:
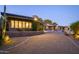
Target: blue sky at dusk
[61, 14]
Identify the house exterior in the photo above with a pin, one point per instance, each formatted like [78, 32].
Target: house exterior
[37, 24]
[21, 23]
[17, 22]
[64, 28]
[49, 26]
[25, 25]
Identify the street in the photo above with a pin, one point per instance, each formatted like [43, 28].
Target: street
[48, 43]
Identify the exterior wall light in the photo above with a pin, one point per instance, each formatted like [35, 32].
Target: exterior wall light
[35, 19]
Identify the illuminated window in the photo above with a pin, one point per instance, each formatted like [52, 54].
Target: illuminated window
[27, 24]
[30, 25]
[12, 24]
[23, 24]
[20, 24]
[16, 24]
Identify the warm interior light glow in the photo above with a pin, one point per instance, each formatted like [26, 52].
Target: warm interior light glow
[12, 24]
[20, 24]
[23, 24]
[16, 24]
[26, 24]
[30, 25]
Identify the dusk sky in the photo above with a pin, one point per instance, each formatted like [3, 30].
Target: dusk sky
[61, 14]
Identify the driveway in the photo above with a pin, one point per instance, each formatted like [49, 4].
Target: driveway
[49, 43]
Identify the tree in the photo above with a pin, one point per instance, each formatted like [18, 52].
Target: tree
[48, 21]
[37, 24]
[75, 28]
[40, 19]
[55, 24]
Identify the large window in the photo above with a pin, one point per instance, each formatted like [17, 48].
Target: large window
[27, 24]
[30, 25]
[23, 24]
[20, 24]
[12, 24]
[16, 24]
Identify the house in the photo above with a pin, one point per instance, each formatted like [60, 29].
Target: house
[18, 22]
[63, 28]
[49, 26]
[19, 25]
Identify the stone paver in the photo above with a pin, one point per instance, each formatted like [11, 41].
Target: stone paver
[46, 44]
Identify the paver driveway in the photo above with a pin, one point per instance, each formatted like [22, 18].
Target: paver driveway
[48, 43]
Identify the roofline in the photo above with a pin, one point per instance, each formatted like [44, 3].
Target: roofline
[17, 16]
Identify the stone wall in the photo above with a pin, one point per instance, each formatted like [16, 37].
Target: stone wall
[23, 33]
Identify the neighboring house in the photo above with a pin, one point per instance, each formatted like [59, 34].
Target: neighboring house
[64, 28]
[50, 26]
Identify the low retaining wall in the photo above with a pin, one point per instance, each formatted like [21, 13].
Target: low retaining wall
[23, 33]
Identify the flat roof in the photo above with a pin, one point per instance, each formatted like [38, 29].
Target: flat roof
[17, 16]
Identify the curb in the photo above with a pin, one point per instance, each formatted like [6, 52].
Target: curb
[72, 40]
[28, 38]
[5, 51]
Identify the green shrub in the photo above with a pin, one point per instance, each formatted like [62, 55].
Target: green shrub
[75, 26]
